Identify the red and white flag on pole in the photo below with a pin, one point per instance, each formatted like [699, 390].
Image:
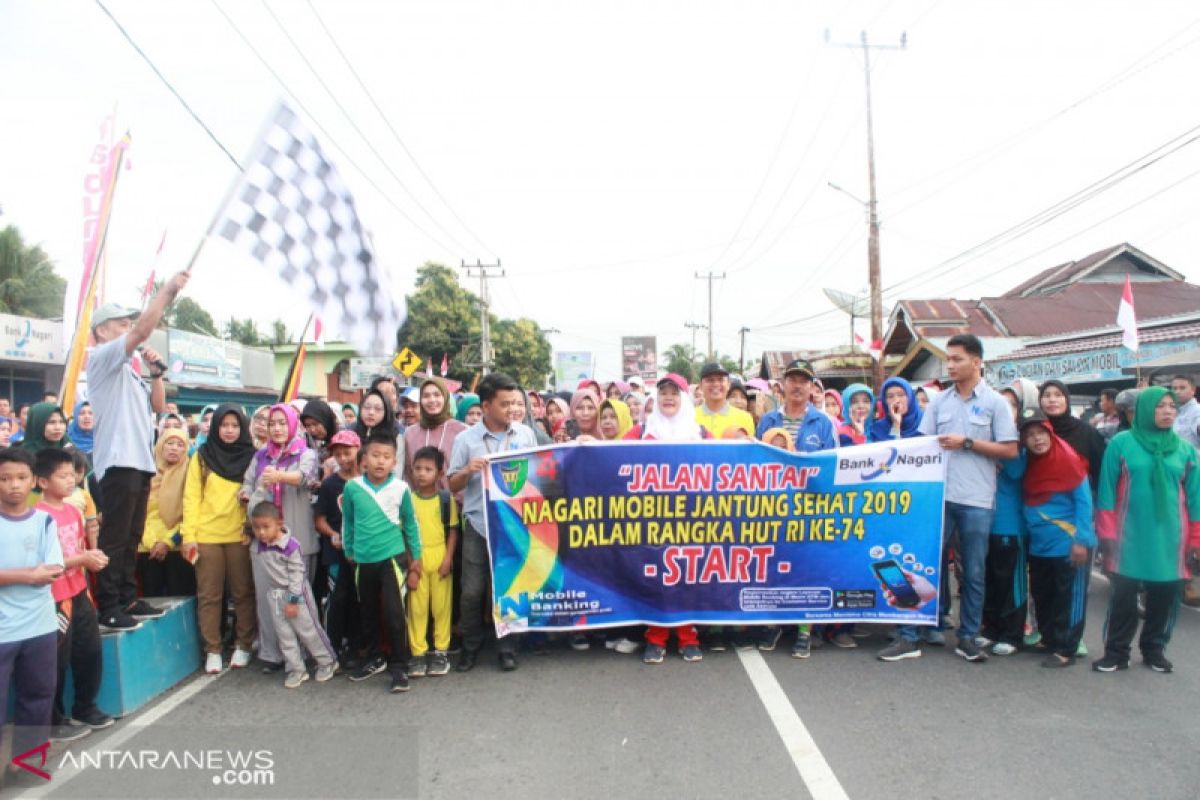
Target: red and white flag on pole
[318, 331]
[1127, 319]
[876, 349]
[445, 365]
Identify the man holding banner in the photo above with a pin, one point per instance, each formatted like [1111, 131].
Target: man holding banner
[124, 451]
[495, 433]
[975, 428]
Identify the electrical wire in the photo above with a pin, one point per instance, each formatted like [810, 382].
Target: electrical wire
[195, 117]
[395, 134]
[1049, 214]
[987, 154]
[324, 132]
[353, 124]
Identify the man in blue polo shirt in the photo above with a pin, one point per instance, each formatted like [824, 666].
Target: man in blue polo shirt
[974, 425]
[811, 430]
[495, 433]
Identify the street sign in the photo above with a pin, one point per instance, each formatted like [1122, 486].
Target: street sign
[407, 362]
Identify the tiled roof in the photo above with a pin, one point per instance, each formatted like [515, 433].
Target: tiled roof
[1081, 306]
[1073, 271]
[1062, 272]
[947, 316]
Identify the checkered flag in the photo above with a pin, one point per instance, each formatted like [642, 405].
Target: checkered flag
[291, 211]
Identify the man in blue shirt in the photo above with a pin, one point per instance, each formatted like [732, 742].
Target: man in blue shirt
[495, 433]
[124, 450]
[811, 429]
[974, 425]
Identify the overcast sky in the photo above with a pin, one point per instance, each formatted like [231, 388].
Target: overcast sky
[608, 151]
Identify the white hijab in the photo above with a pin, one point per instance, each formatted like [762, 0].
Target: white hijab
[682, 427]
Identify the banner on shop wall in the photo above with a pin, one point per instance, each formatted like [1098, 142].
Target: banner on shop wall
[602, 534]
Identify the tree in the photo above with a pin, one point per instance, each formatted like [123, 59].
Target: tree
[443, 319]
[244, 331]
[29, 286]
[729, 363]
[682, 360]
[279, 333]
[187, 315]
[522, 351]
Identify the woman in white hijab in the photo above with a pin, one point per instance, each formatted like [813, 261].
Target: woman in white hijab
[672, 420]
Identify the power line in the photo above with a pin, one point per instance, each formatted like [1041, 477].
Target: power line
[988, 153]
[395, 134]
[1145, 199]
[1052, 212]
[170, 87]
[350, 119]
[834, 96]
[325, 133]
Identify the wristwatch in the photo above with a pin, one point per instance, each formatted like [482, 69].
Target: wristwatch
[968, 443]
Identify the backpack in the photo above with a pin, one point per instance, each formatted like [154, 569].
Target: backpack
[446, 500]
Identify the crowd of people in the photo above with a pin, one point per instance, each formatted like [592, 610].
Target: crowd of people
[350, 539]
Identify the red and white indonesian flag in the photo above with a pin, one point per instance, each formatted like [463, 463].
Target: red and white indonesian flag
[1127, 319]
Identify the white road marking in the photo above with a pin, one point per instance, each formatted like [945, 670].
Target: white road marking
[813, 768]
[127, 731]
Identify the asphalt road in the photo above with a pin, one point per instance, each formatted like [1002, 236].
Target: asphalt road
[599, 725]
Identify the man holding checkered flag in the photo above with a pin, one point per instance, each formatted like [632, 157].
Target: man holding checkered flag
[291, 211]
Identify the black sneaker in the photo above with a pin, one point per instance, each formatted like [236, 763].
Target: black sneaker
[1158, 662]
[372, 668]
[899, 650]
[399, 681]
[140, 609]
[68, 733]
[439, 664]
[1110, 664]
[119, 621]
[969, 650]
[95, 719]
[271, 667]
[769, 638]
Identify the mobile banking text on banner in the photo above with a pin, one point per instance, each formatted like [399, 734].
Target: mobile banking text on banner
[615, 533]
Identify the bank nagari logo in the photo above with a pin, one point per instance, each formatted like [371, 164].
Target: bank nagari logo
[884, 464]
[884, 467]
[510, 475]
[23, 339]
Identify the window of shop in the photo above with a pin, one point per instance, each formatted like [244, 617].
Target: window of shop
[22, 385]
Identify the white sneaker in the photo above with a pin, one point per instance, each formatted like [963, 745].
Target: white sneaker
[241, 658]
[212, 664]
[1003, 649]
[624, 645]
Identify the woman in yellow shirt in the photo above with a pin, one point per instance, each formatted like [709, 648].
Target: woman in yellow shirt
[212, 534]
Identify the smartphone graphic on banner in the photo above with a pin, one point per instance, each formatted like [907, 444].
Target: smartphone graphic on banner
[895, 581]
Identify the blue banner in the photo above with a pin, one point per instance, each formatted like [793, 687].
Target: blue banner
[618, 533]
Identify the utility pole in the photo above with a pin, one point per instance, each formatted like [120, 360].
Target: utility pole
[695, 326]
[872, 203]
[485, 328]
[742, 331]
[710, 277]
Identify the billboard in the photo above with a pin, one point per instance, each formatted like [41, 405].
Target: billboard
[204, 360]
[570, 367]
[639, 356]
